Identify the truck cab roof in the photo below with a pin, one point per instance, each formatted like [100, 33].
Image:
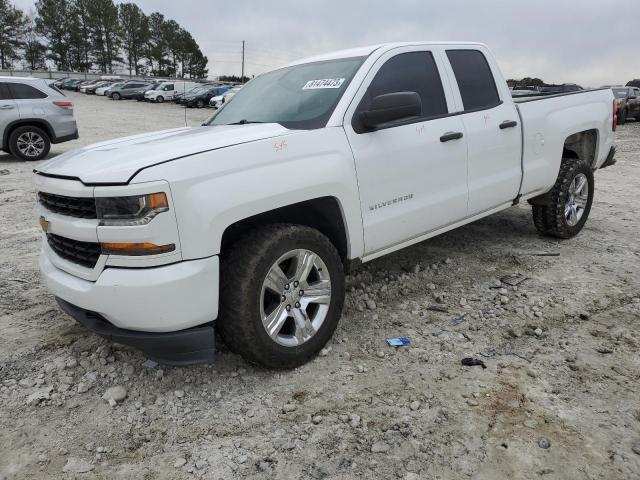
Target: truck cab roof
[368, 50]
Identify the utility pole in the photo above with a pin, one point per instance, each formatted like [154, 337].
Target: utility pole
[242, 76]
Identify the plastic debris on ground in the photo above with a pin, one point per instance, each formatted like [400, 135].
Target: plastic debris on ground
[398, 342]
[472, 362]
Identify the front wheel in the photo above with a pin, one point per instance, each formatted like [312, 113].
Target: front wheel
[282, 292]
[160, 99]
[29, 143]
[200, 104]
[116, 96]
[567, 205]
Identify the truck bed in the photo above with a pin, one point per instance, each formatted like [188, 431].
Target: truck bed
[549, 120]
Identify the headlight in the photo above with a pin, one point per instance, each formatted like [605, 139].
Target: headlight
[130, 211]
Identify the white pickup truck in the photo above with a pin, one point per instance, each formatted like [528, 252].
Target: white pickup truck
[248, 223]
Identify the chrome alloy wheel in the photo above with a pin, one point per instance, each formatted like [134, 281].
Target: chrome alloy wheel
[576, 200]
[295, 297]
[30, 144]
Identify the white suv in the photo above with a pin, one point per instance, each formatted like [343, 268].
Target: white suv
[33, 115]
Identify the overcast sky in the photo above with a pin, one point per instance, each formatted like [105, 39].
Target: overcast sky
[591, 42]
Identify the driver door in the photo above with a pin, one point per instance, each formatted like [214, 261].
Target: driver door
[412, 173]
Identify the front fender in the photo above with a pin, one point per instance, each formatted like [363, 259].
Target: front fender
[215, 189]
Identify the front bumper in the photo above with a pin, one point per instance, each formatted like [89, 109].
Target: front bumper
[156, 299]
[185, 347]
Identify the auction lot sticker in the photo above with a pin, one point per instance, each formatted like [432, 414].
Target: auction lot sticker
[323, 83]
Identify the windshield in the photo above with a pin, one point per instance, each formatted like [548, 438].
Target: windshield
[297, 97]
[620, 92]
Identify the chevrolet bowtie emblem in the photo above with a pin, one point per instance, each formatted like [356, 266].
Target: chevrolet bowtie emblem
[44, 223]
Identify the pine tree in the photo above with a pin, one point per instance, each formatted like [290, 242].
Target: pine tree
[12, 22]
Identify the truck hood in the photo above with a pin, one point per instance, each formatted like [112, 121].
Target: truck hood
[118, 161]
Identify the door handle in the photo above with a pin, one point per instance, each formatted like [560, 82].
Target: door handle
[447, 137]
[508, 124]
[6, 107]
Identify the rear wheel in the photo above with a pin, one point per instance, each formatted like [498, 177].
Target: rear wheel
[200, 104]
[568, 204]
[29, 143]
[282, 295]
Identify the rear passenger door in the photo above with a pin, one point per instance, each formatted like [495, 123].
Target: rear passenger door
[412, 174]
[29, 100]
[492, 128]
[8, 110]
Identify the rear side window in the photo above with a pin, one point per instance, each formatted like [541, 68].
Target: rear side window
[4, 92]
[410, 72]
[20, 91]
[475, 80]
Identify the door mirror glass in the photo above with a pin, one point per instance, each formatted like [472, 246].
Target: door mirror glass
[391, 107]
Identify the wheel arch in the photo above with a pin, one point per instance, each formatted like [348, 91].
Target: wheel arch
[24, 122]
[582, 145]
[325, 214]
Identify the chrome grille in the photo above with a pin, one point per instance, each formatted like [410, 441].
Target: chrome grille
[79, 207]
[82, 253]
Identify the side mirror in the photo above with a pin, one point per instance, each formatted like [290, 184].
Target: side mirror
[390, 107]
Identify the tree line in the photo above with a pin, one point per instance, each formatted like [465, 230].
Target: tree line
[97, 36]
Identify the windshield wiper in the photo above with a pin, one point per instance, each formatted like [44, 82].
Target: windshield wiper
[244, 122]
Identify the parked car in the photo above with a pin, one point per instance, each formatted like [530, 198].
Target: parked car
[628, 103]
[127, 90]
[219, 100]
[311, 170]
[70, 84]
[33, 115]
[179, 97]
[91, 89]
[139, 95]
[200, 97]
[634, 83]
[167, 90]
[83, 85]
[106, 91]
[59, 81]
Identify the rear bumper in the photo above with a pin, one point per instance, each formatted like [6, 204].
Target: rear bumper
[66, 138]
[185, 347]
[610, 158]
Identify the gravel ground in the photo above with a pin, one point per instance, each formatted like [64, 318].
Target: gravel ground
[555, 322]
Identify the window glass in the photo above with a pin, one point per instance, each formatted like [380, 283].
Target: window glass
[4, 92]
[475, 80]
[297, 97]
[410, 72]
[20, 91]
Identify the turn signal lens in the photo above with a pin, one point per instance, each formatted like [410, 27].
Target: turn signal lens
[136, 249]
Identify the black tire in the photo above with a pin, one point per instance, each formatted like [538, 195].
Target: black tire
[243, 271]
[622, 118]
[160, 99]
[116, 96]
[200, 104]
[27, 129]
[550, 218]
